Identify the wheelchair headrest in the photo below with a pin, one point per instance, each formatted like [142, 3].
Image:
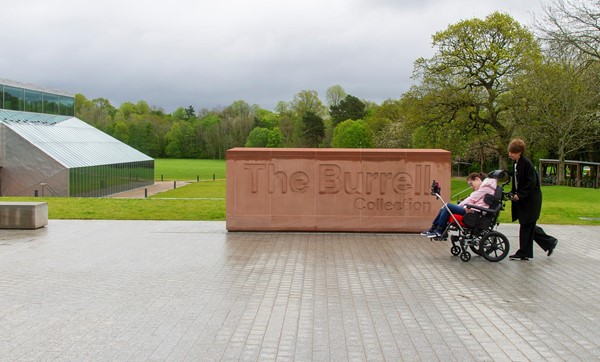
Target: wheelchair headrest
[500, 175]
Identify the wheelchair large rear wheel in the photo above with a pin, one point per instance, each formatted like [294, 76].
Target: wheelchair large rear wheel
[494, 246]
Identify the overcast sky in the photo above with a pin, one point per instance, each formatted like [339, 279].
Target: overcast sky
[208, 54]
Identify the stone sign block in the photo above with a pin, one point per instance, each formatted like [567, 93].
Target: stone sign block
[308, 189]
[23, 215]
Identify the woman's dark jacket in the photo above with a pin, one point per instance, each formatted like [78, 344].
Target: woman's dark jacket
[527, 209]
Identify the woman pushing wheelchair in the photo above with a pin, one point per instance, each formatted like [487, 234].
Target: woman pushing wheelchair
[527, 204]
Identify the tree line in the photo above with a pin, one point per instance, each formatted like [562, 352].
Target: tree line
[489, 80]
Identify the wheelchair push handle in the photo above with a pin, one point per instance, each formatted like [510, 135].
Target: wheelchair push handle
[436, 189]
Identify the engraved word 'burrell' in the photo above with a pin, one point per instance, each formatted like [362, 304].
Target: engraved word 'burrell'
[332, 180]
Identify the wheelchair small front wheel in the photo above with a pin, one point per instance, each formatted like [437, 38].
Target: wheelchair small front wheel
[465, 256]
[455, 250]
[494, 246]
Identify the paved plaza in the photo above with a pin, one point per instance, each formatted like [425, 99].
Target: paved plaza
[181, 290]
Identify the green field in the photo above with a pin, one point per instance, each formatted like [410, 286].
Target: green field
[561, 204]
[205, 200]
[188, 170]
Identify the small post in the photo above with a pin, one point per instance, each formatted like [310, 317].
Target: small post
[174, 184]
[35, 193]
[197, 178]
[213, 176]
[146, 192]
[161, 177]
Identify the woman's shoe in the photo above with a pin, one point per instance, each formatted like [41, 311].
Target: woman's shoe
[551, 250]
[516, 256]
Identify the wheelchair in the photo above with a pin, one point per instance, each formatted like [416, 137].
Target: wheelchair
[476, 231]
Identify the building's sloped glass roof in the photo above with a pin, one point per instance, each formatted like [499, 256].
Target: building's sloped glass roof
[30, 117]
[69, 140]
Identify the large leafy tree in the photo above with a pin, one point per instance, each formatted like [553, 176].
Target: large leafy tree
[334, 95]
[190, 112]
[307, 101]
[239, 118]
[562, 107]
[313, 129]
[144, 138]
[266, 119]
[387, 121]
[213, 132]
[264, 137]
[467, 81]
[121, 131]
[97, 112]
[181, 141]
[572, 24]
[287, 123]
[348, 108]
[258, 137]
[352, 134]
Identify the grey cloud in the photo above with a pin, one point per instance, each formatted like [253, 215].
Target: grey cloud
[209, 54]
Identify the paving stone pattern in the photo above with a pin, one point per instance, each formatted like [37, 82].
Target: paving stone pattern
[180, 290]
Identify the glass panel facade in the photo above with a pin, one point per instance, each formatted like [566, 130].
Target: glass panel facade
[13, 98]
[104, 180]
[37, 101]
[33, 101]
[50, 103]
[66, 106]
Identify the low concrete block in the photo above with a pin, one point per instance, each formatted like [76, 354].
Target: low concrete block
[370, 190]
[23, 215]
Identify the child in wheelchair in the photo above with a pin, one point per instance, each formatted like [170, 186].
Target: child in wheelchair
[473, 221]
[481, 186]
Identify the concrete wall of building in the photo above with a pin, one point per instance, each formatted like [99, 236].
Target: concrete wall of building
[26, 169]
[374, 190]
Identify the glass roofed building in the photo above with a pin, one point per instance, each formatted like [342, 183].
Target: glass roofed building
[46, 151]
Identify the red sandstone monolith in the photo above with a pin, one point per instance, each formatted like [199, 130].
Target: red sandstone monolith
[313, 189]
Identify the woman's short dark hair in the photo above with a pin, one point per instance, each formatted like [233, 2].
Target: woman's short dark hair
[516, 146]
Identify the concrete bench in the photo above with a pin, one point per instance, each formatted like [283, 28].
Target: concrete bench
[23, 215]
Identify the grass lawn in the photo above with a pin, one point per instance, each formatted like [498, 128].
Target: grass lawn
[205, 200]
[561, 204]
[198, 190]
[186, 170]
[134, 209]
